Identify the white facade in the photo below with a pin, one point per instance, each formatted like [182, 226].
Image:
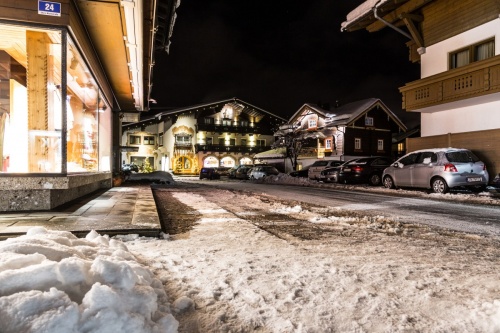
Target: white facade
[435, 58]
[469, 115]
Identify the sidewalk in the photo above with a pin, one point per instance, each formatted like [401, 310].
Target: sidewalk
[126, 209]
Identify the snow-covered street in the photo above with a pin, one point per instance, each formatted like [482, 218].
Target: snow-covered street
[366, 274]
[252, 263]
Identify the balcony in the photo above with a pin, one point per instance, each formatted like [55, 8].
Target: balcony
[476, 79]
[230, 149]
[233, 129]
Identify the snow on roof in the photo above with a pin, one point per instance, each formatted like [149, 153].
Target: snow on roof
[360, 11]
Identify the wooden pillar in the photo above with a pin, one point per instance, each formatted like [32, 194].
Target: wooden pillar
[37, 45]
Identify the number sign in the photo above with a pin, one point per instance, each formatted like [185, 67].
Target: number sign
[49, 8]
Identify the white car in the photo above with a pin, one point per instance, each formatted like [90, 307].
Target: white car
[259, 172]
[438, 169]
[320, 165]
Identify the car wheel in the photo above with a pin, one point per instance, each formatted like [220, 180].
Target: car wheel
[374, 180]
[439, 185]
[388, 182]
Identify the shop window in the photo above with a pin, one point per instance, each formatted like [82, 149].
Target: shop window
[472, 53]
[135, 140]
[357, 143]
[149, 140]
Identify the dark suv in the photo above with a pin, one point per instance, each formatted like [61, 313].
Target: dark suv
[209, 173]
[364, 170]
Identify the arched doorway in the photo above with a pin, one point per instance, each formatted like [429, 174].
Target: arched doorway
[246, 160]
[211, 162]
[184, 165]
[227, 162]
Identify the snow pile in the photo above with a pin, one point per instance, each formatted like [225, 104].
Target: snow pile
[52, 281]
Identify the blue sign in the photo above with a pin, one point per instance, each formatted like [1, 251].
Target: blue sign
[49, 8]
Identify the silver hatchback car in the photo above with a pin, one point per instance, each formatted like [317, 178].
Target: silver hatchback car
[438, 169]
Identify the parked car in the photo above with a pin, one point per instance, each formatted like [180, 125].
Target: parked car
[130, 167]
[331, 175]
[232, 172]
[242, 171]
[263, 171]
[209, 173]
[438, 169]
[318, 166]
[223, 171]
[303, 173]
[364, 170]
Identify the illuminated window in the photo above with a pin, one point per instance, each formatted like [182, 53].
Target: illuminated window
[149, 140]
[135, 140]
[357, 143]
[328, 143]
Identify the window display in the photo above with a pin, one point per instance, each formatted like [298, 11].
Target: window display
[34, 104]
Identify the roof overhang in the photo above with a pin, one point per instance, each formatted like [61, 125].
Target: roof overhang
[123, 34]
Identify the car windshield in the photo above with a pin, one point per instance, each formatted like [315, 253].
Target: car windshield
[320, 163]
[462, 156]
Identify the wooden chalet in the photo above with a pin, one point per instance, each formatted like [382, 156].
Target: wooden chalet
[456, 44]
[360, 128]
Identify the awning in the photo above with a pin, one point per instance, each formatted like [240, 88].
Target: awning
[273, 153]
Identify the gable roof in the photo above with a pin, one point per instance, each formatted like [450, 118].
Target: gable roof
[349, 113]
[237, 103]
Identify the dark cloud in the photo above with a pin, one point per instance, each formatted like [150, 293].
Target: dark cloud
[278, 55]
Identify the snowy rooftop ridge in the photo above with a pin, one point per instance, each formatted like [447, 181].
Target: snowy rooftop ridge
[360, 11]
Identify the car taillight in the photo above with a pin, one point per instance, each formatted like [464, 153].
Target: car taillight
[357, 168]
[450, 168]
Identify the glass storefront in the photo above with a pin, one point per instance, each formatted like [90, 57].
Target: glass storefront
[40, 114]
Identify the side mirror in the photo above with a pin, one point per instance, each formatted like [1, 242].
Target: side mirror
[397, 165]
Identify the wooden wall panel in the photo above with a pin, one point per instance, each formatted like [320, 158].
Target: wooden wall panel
[27, 11]
[448, 18]
[483, 143]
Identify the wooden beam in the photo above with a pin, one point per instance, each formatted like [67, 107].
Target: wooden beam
[394, 16]
[415, 34]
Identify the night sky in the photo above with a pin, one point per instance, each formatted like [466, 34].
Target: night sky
[278, 55]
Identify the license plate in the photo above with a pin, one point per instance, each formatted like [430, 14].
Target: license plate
[347, 169]
[474, 179]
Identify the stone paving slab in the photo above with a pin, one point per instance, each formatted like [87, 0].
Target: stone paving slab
[125, 208]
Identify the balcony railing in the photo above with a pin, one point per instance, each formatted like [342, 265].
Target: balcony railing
[231, 149]
[233, 129]
[476, 79]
